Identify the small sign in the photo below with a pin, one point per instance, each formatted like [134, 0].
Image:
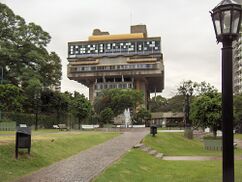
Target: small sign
[22, 125]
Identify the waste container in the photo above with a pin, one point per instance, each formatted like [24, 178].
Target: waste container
[153, 130]
[23, 139]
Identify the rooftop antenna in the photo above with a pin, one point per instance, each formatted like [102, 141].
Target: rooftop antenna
[130, 18]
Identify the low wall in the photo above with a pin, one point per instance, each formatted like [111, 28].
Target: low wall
[7, 126]
[121, 129]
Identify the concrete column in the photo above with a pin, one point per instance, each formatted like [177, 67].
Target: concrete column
[91, 93]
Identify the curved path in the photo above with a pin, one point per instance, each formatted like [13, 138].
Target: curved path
[89, 163]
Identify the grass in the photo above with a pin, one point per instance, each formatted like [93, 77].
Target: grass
[46, 150]
[42, 134]
[174, 144]
[6, 132]
[238, 136]
[139, 166]
[39, 131]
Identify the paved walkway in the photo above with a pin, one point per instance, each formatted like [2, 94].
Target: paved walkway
[161, 156]
[89, 163]
[195, 158]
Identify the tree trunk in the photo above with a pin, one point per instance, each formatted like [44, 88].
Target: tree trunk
[79, 123]
[214, 133]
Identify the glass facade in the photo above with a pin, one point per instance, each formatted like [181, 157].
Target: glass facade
[135, 47]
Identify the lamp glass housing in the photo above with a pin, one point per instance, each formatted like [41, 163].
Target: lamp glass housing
[226, 20]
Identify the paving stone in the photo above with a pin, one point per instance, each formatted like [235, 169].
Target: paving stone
[159, 155]
[153, 152]
[146, 149]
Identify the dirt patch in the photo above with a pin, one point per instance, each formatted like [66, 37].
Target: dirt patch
[6, 142]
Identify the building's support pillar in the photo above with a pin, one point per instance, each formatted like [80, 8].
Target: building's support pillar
[91, 93]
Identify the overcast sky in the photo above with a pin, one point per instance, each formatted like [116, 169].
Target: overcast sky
[187, 36]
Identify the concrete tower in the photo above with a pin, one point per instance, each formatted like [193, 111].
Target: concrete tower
[107, 61]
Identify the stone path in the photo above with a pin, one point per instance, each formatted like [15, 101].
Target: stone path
[196, 158]
[89, 163]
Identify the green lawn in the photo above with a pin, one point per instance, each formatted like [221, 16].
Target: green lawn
[46, 150]
[39, 131]
[174, 144]
[238, 136]
[139, 166]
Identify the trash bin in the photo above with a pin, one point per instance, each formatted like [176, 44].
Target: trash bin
[153, 130]
[23, 139]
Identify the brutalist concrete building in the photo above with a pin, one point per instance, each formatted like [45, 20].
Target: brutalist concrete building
[107, 61]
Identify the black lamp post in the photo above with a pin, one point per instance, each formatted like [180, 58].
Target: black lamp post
[226, 18]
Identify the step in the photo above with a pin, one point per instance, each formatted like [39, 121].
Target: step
[159, 155]
[146, 149]
[140, 145]
[153, 152]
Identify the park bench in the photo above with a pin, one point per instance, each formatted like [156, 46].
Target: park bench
[55, 126]
[62, 127]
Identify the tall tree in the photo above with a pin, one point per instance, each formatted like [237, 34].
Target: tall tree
[11, 98]
[106, 116]
[186, 89]
[81, 107]
[206, 111]
[23, 51]
[158, 103]
[33, 95]
[141, 116]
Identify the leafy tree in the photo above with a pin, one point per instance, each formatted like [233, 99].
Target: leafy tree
[161, 104]
[187, 89]
[158, 103]
[141, 116]
[118, 100]
[11, 98]
[81, 107]
[60, 102]
[206, 111]
[106, 116]
[51, 71]
[175, 104]
[23, 53]
[33, 95]
[204, 88]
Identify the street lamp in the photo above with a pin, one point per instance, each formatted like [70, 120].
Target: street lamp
[226, 18]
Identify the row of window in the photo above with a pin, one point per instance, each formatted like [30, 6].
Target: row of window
[113, 85]
[114, 79]
[114, 48]
[114, 67]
